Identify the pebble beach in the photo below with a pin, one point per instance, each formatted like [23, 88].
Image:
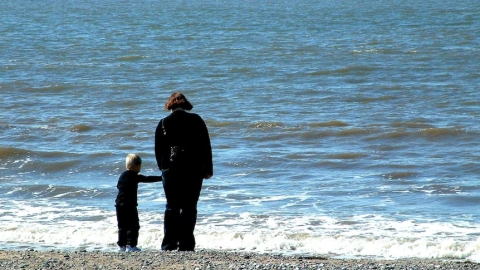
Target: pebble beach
[33, 259]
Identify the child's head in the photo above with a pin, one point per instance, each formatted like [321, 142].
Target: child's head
[133, 162]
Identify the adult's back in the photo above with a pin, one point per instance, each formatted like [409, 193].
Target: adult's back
[182, 144]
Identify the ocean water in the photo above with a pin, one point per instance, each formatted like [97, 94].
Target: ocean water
[339, 128]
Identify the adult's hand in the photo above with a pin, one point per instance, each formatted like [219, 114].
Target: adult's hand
[208, 176]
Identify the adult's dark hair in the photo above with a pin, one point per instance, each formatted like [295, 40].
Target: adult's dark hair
[178, 100]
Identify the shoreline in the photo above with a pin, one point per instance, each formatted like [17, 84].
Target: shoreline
[205, 259]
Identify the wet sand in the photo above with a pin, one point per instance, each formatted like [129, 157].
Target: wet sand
[32, 259]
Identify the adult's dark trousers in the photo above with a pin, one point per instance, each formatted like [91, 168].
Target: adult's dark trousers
[182, 193]
[128, 226]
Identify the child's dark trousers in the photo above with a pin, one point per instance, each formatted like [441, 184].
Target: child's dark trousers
[128, 226]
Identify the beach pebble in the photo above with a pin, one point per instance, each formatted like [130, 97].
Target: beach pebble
[205, 260]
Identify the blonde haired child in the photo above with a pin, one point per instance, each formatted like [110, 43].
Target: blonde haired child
[126, 203]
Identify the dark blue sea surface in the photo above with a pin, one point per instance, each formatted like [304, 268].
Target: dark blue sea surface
[341, 128]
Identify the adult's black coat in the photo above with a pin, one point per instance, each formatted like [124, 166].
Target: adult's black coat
[188, 132]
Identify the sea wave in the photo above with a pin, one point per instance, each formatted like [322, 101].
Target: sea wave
[44, 191]
[356, 236]
[266, 125]
[412, 124]
[400, 175]
[368, 99]
[334, 123]
[130, 58]
[36, 164]
[418, 131]
[81, 128]
[9, 152]
[346, 156]
[13, 152]
[54, 88]
[433, 133]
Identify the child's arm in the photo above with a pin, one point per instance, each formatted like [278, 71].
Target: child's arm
[148, 179]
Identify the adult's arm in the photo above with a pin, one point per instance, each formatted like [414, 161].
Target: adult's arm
[207, 151]
[160, 141]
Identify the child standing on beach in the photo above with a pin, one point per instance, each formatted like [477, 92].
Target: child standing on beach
[126, 203]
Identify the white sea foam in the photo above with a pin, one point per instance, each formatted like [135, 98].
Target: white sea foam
[46, 227]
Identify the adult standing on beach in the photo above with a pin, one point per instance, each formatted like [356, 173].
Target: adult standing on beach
[184, 155]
